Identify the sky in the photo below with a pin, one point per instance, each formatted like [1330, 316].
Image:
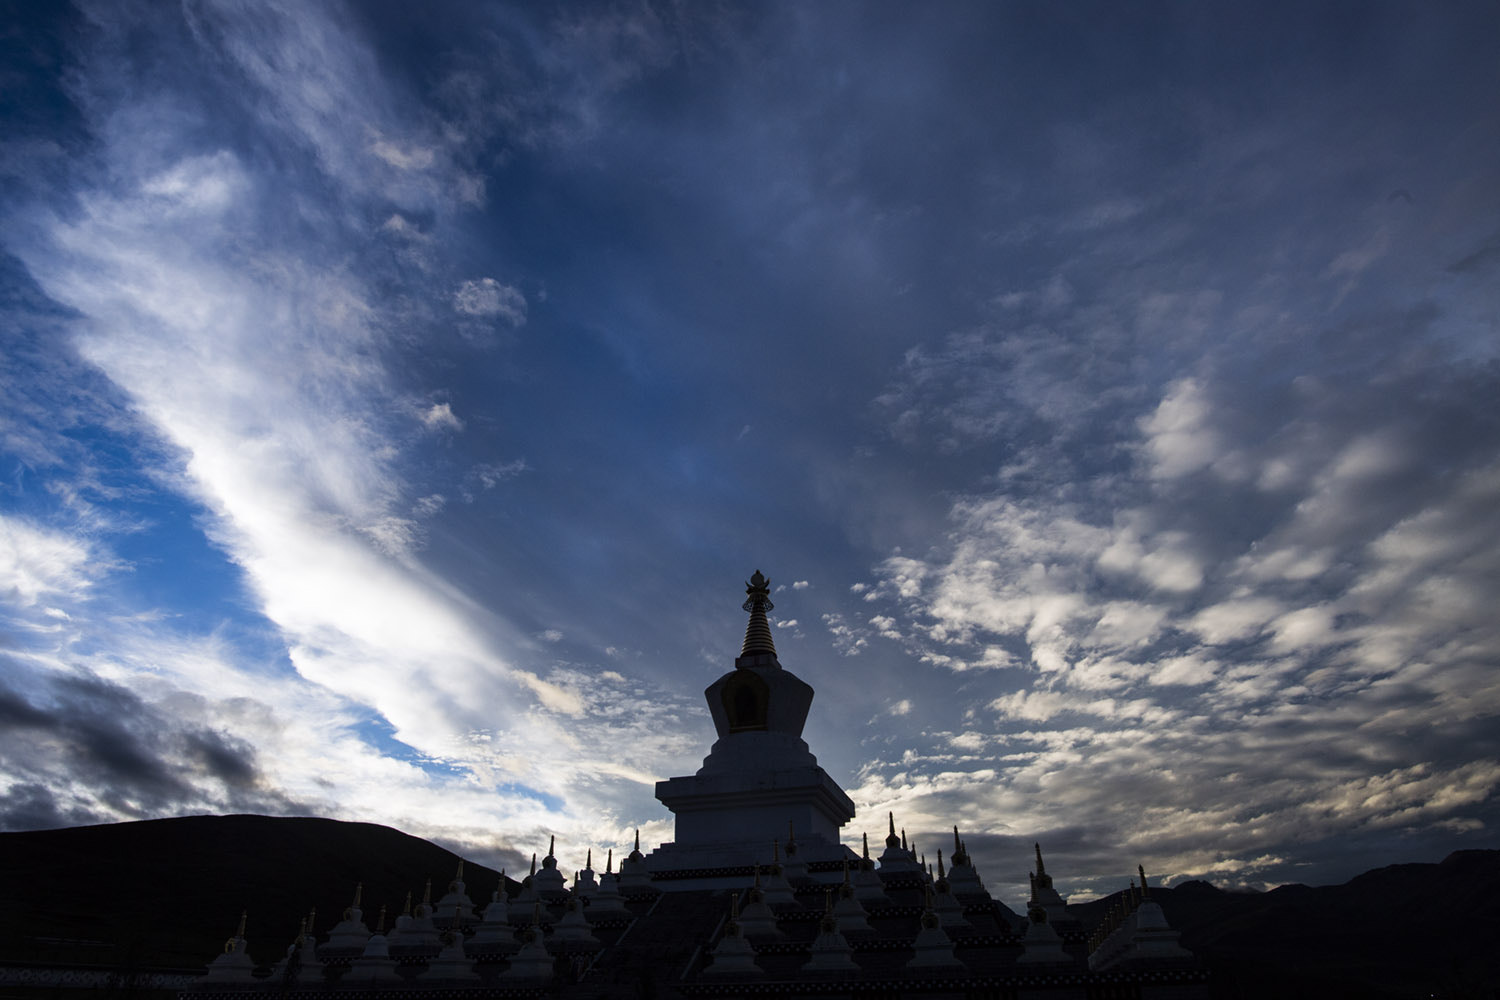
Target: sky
[395, 398]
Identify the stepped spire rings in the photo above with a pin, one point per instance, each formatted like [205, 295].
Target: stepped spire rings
[758, 639]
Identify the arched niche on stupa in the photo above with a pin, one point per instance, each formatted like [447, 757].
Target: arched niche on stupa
[747, 702]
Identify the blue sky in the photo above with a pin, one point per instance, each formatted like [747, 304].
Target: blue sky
[394, 402]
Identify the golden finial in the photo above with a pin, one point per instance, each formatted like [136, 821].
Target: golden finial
[406, 912]
[1142, 870]
[1041, 869]
[940, 864]
[240, 931]
[533, 862]
[775, 851]
[758, 632]
[589, 860]
[609, 864]
[380, 923]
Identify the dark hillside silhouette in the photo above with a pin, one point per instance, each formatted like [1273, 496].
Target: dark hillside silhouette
[168, 892]
[1400, 931]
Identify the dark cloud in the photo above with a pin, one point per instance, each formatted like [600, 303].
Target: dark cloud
[26, 806]
[102, 740]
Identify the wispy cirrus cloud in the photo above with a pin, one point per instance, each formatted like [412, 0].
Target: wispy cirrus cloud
[215, 296]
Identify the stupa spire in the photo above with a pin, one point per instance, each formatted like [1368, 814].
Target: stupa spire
[758, 639]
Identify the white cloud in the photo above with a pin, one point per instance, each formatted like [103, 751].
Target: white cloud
[488, 297]
[37, 564]
[1180, 438]
[262, 366]
[439, 416]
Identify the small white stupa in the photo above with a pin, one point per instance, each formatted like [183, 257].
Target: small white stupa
[549, 884]
[963, 877]
[831, 952]
[733, 955]
[300, 964]
[949, 910]
[375, 964]
[1046, 896]
[775, 889]
[455, 907]
[757, 920]
[896, 859]
[350, 934]
[494, 930]
[1136, 930]
[867, 885]
[634, 875]
[532, 962]
[419, 935]
[573, 931]
[849, 913]
[606, 903]
[585, 883]
[527, 895]
[1041, 945]
[934, 949]
[451, 964]
[233, 964]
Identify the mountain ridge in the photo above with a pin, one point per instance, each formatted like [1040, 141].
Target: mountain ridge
[165, 893]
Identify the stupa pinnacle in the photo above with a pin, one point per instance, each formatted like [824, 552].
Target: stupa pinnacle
[758, 639]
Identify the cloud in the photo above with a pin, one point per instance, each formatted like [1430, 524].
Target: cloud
[213, 299]
[439, 416]
[487, 297]
[36, 563]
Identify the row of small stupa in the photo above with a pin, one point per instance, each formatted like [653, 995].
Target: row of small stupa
[452, 934]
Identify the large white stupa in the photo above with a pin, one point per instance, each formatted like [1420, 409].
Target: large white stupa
[759, 782]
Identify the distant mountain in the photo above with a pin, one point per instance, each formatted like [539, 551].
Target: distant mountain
[167, 893]
[1400, 931]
